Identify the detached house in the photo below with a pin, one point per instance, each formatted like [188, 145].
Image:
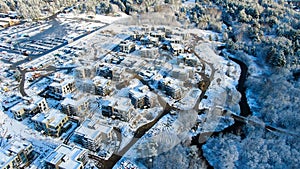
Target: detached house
[17, 154]
[158, 34]
[62, 87]
[188, 59]
[84, 72]
[142, 98]
[177, 48]
[66, 157]
[102, 86]
[53, 123]
[29, 106]
[119, 107]
[90, 134]
[171, 88]
[73, 106]
[127, 46]
[104, 71]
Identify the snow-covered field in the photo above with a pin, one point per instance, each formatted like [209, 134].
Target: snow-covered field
[95, 18]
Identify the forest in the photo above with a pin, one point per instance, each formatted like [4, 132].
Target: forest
[265, 35]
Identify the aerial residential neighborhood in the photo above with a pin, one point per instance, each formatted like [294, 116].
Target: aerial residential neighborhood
[89, 85]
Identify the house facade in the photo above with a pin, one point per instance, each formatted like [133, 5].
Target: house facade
[75, 105]
[102, 86]
[63, 87]
[127, 46]
[118, 107]
[171, 88]
[91, 133]
[142, 98]
[66, 157]
[29, 106]
[53, 122]
[17, 154]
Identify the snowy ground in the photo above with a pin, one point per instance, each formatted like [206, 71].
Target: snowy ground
[171, 129]
[254, 70]
[221, 94]
[18, 130]
[225, 78]
[168, 132]
[95, 18]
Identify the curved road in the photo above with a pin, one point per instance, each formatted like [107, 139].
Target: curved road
[167, 108]
[51, 69]
[241, 120]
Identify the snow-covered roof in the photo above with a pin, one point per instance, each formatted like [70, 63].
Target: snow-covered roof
[126, 43]
[117, 69]
[187, 56]
[153, 39]
[55, 84]
[147, 73]
[38, 117]
[63, 83]
[9, 152]
[92, 129]
[169, 80]
[123, 104]
[5, 158]
[89, 133]
[100, 81]
[28, 104]
[136, 94]
[17, 146]
[174, 39]
[66, 156]
[11, 100]
[143, 88]
[177, 46]
[4, 23]
[18, 107]
[5, 19]
[56, 118]
[157, 33]
[53, 117]
[68, 101]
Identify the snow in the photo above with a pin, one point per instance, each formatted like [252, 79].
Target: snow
[4, 158]
[255, 68]
[37, 86]
[189, 2]
[221, 82]
[19, 130]
[189, 101]
[171, 129]
[128, 163]
[209, 123]
[221, 94]
[254, 106]
[101, 18]
[165, 134]
[35, 30]
[125, 141]
[205, 34]
[67, 155]
[92, 129]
